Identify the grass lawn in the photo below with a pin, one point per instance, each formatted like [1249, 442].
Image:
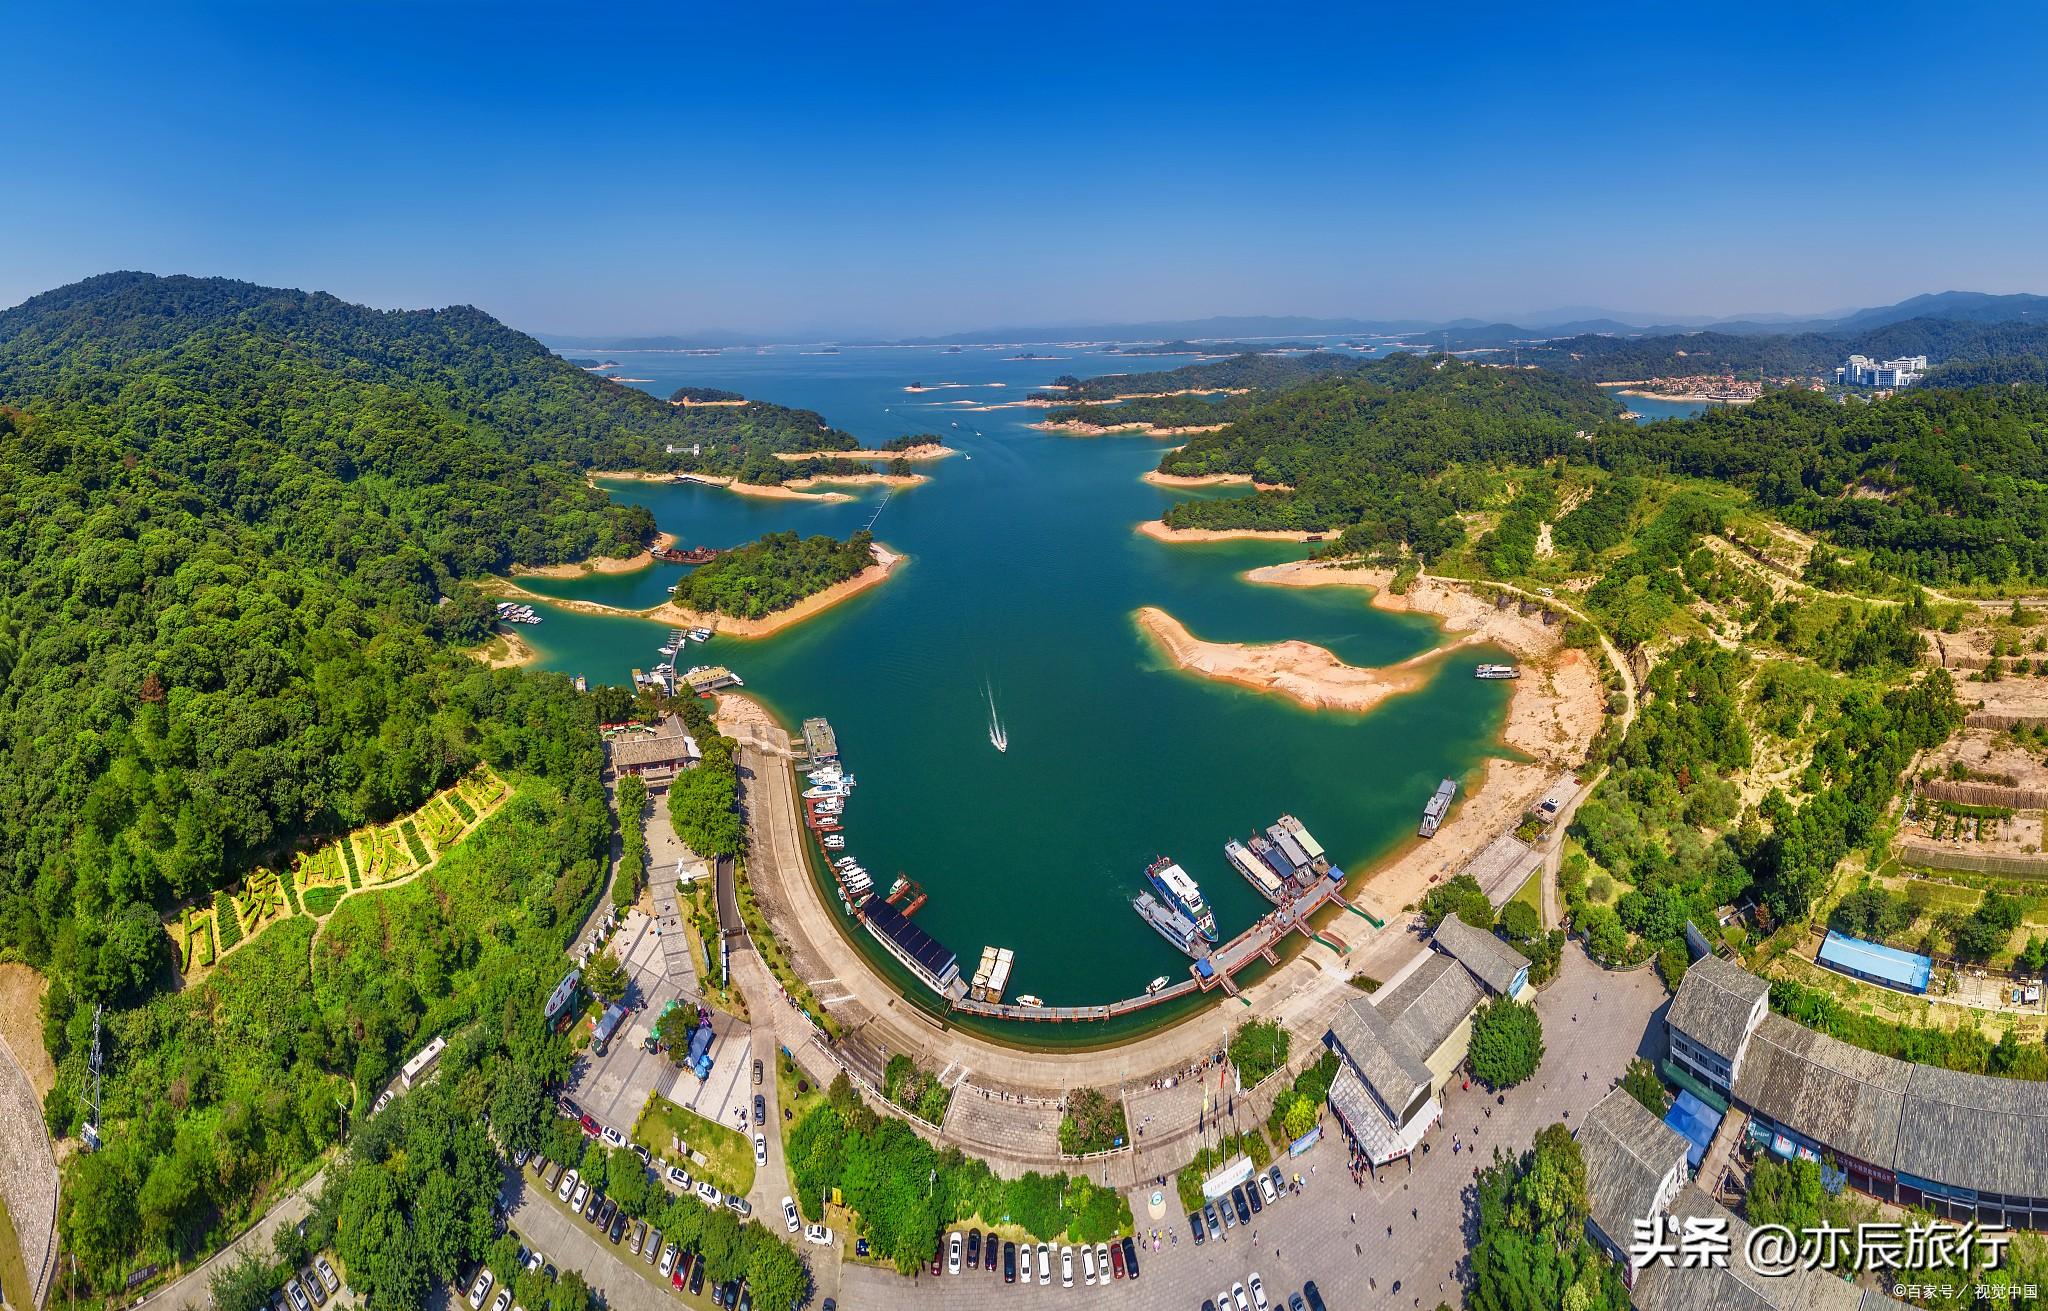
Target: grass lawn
[1530, 893]
[13, 1269]
[728, 1155]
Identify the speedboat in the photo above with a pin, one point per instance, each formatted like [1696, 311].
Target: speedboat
[835, 841]
[1026, 999]
[1157, 985]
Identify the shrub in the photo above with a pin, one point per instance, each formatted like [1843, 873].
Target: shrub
[1258, 1048]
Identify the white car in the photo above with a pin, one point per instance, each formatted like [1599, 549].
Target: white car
[568, 1186]
[1066, 1267]
[1237, 1295]
[1266, 1187]
[1044, 1266]
[953, 1253]
[760, 1149]
[1102, 1269]
[789, 1218]
[706, 1193]
[504, 1300]
[298, 1295]
[327, 1275]
[1258, 1292]
[679, 1177]
[481, 1289]
[383, 1100]
[579, 1197]
[668, 1260]
[738, 1206]
[534, 1261]
[1087, 1265]
[612, 1137]
[519, 1157]
[818, 1234]
[1223, 1301]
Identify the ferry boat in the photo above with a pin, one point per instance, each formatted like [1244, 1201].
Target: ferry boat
[1269, 856]
[1497, 671]
[1183, 894]
[1302, 835]
[1255, 871]
[1439, 806]
[1171, 925]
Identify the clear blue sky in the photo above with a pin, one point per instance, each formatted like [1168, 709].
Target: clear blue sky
[865, 168]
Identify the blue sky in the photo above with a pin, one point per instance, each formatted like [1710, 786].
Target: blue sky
[897, 169]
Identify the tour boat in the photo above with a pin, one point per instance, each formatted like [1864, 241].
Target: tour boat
[1183, 894]
[1157, 985]
[1026, 999]
[835, 841]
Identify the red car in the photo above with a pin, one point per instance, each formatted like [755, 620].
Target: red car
[590, 1127]
[1116, 1260]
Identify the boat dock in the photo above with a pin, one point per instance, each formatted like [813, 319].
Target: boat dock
[1218, 968]
[1060, 1014]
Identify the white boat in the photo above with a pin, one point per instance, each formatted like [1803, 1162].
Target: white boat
[700, 634]
[834, 841]
[1026, 999]
[1157, 985]
[825, 791]
[998, 736]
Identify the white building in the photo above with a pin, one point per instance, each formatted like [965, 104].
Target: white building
[1862, 371]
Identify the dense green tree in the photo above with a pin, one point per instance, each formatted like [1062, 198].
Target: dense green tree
[1532, 1253]
[1507, 1042]
[605, 977]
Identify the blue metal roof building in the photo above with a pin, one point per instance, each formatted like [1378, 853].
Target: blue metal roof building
[1874, 962]
[1696, 1122]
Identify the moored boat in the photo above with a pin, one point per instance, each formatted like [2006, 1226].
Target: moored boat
[1183, 894]
[1262, 879]
[1169, 923]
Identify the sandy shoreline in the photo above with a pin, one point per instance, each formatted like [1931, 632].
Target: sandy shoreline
[675, 616]
[505, 650]
[1158, 479]
[1158, 531]
[1079, 428]
[699, 405]
[925, 451]
[764, 491]
[597, 564]
[1308, 675]
[883, 479]
[1554, 710]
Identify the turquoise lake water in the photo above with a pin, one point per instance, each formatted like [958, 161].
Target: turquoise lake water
[1024, 571]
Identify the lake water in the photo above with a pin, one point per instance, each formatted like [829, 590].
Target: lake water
[1022, 577]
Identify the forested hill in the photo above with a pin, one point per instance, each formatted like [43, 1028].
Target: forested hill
[1368, 448]
[1602, 358]
[457, 366]
[1239, 371]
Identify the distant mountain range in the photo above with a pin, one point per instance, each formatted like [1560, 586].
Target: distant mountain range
[1464, 333]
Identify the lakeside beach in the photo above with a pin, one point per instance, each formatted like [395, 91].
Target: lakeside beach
[1311, 676]
[1081, 428]
[1157, 530]
[922, 451]
[1158, 479]
[597, 564]
[762, 491]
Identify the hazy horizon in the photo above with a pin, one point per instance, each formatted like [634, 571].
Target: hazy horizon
[894, 173]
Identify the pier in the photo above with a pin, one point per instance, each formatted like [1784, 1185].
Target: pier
[1258, 941]
[1058, 1014]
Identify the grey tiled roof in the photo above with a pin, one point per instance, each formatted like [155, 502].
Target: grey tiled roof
[1713, 1004]
[1982, 1132]
[1842, 1096]
[1628, 1153]
[1384, 1057]
[1430, 1004]
[1736, 1287]
[1479, 951]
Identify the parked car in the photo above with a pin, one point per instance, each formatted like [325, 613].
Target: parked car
[668, 1260]
[1238, 1299]
[298, 1295]
[696, 1278]
[1130, 1256]
[1087, 1265]
[1258, 1292]
[706, 1193]
[1266, 1187]
[311, 1283]
[1209, 1219]
[1116, 1260]
[553, 1176]
[1009, 1263]
[974, 1249]
[1237, 1202]
[757, 1074]
[327, 1275]
[1044, 1266]
[818, 1234]
[612, 1137]
[478, 1291]
[649, 1248]
[1315, 1298]
[1229, 1212]
[503, 1300]
[1294, 1303]
[639, 1236]
[790, 1221]
[679, 1177]
[760, 1149]
[591, 1128]
[989, 1246]
[646, 1157]
[1251, 1194]
[1279, 1180]
[383, 1100]
[618, 1227]
[1066, 1266]
[606, 1212]
[760, 1109]
[519, 1157]
[1195, 1226]
[739, 1206]
[595, 1205]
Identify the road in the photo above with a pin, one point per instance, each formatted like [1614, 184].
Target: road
[1339, 1236]
[28, 1176]
[192, 1291]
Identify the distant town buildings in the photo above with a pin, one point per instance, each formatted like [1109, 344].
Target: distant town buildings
[1862, 371]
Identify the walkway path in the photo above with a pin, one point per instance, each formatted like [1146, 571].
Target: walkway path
[28, 1177]
[193, 1290]
[1355, 1263]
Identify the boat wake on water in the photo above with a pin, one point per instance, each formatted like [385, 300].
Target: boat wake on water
[998, 736]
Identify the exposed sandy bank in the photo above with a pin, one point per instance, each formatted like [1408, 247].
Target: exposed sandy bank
[1158, 531]
[1079, 428]
[675, 616]
[925, 451]
[505, 650]
[598, 564]
[1304, 673]
[1158, 479]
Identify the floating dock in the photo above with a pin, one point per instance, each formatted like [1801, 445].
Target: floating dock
[821, 744]
[710, 678]
[1497, 671]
